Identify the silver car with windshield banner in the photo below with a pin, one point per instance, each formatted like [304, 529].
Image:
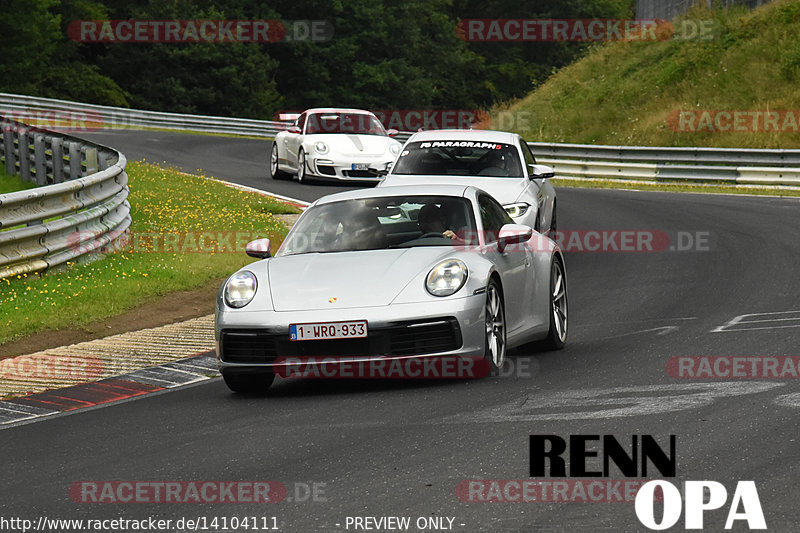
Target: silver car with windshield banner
[498, 162]
[392, 274]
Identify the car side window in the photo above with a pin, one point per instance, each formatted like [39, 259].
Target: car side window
[526, 152]
[301, 121]
[493, 217]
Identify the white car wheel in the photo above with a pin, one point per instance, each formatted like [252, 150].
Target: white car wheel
[301, 166]
[274, 170]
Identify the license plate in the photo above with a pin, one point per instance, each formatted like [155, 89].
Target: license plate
[328, 330]
[360, 166]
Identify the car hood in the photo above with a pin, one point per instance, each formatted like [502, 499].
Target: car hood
[504, 190]
[355, 279]
[349, 144]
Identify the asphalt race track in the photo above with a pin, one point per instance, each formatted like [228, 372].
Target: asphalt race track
[399, 448]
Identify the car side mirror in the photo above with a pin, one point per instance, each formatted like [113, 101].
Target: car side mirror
[513, 234]
[294, 129]
[392, 132]
[259, 249]
[537, 172]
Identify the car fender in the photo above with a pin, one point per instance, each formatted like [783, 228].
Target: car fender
[277, 141]
[479, 270]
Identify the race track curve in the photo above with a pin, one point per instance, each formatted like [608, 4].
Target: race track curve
[401, 448]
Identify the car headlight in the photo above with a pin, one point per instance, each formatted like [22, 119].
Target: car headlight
[517, 210]
[240, 289]
[321, 148]
[395, 149]
[446, 278]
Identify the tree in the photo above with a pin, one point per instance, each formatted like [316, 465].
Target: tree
[31, 35]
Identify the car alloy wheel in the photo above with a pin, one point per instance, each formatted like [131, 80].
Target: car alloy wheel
[301, 166]
[559, 323]
[495, 321]
[274, 171]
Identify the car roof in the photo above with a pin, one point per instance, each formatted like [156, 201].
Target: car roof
[432, 189]
[337, 110]
[466, 135]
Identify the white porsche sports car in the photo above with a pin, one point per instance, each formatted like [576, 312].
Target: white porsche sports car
[498, 162]
[331, 143]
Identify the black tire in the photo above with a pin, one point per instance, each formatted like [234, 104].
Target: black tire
[248, 383]
[494, 327]
[553, 223]
[274, 171]
[559, 309]
[301, 175]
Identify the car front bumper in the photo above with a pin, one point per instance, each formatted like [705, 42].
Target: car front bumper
[258, 341]
[338, 168]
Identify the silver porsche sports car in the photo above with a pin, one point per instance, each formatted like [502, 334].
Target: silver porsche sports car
[498, 162]
[388, 274]
[333, 144]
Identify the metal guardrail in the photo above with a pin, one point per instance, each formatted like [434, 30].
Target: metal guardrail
[58, 114]
[78, 117]
[732, 165]
[80, 208]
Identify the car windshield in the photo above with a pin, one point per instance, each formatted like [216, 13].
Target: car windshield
[459, 158]
[361, 123]
[382, 223]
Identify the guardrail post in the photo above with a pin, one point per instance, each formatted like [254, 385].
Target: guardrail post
[102, 160]
[74, 160]
[40, 159]
[8, 145]
[58, 159]
[24, 151]
[90, 157]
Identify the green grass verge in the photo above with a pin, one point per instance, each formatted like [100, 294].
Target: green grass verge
[13, 183]
[625, 92]
[675, 187]
[164, 203]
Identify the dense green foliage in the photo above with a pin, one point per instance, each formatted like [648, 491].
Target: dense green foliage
[383, 54]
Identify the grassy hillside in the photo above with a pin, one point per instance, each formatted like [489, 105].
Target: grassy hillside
[625, 93]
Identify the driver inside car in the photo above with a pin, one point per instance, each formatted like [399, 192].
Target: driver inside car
[432, 220]
[494, 164]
